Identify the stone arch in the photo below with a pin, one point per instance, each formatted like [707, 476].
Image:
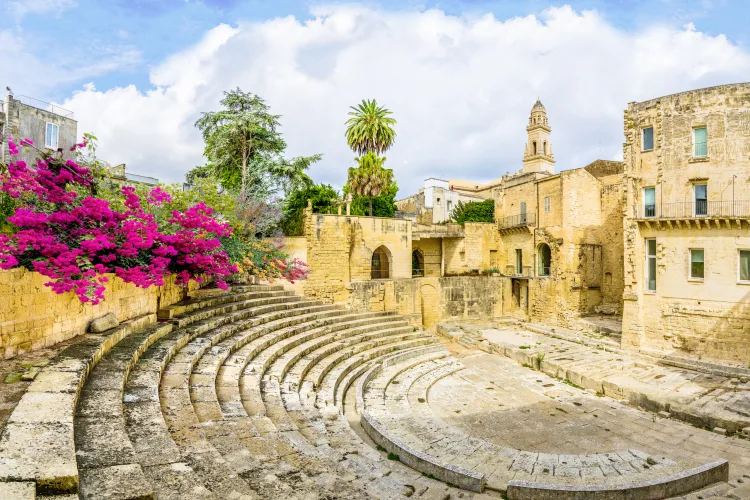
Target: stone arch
[430, 306]
[381, 263]
[417, 263]
[544, 259]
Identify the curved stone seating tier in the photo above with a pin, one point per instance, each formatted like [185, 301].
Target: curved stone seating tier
[397, 416]
[108, 449]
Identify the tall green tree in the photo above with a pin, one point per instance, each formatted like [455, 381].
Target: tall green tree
[369, 178]
[244, 148]
[370, 128]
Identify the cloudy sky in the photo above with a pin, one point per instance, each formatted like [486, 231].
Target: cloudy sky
[459, 75]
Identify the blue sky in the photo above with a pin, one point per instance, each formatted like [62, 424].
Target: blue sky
[102, 55]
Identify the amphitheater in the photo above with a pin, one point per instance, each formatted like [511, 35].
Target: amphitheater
[262, 394]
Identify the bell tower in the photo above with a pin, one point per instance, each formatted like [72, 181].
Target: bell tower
[538, 157]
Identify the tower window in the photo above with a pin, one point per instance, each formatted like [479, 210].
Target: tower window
[545, 147]
[534, 143]
[647, 142]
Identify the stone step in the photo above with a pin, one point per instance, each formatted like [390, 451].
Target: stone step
[37, 444]
[194, 304]
[103, 448]
[157, 450]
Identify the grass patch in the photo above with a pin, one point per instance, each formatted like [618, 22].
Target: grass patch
[571, 384]
[524, 347]
[12, 378]
[393, 456]
[380, 448]
[429, 476]
[526, 365]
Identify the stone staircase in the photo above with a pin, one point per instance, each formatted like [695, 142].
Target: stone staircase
[261, 394]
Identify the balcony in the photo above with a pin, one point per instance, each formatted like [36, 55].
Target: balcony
[514, 272]
[517, 223]
[699, 213]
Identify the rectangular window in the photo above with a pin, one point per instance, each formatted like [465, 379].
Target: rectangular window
[696, 264]
[647, 142]
[449, 206]
[649, 202]
[745, 265]
[519, 261]
[50, 136]
[701, 199]
[547, 204]
[651, 265]
[700, 142]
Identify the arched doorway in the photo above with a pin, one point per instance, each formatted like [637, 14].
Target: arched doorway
[544, 259]
[381, 264]
[417, 264]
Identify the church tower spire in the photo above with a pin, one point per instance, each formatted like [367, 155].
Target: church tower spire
[538, 155]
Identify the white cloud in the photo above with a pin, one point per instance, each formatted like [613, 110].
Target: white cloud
[36, 73]
[54, 7]
[460, 87]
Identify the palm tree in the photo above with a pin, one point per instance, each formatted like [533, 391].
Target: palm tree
[369, 178]
[370, 128]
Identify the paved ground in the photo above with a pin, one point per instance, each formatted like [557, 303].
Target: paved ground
[703, 399]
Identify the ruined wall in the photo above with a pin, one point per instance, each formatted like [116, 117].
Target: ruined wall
[370, 233]
[328, 239]
[679, 315]
[430, 300]
[431, 253]
[34, 317]
[550, 188]
[481, 240]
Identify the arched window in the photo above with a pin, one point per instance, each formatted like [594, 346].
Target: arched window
[417, 264]
[381, 264]
[544, 259]
[545, 147]
[534, 143]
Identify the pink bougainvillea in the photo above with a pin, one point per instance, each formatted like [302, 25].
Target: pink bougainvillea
[74, 238]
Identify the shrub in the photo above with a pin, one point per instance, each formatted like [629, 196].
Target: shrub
[474, 211]
[68, 234]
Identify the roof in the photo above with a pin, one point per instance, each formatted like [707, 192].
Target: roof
[538, 106]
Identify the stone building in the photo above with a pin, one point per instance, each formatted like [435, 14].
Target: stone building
[686, 238]
[554, 251]
[48, 125]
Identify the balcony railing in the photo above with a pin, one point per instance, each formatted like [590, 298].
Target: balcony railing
[512, 270]
[739, 209]
[47, 106]
[527, 219]
[700, 150]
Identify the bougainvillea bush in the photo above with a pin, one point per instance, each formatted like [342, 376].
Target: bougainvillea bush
[73, 237]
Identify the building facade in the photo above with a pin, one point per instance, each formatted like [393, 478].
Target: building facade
[687, 223]
[48, 126]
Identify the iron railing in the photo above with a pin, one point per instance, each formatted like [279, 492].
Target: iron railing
[543, 271]
[700, 150]
[47, 106]
[527, 219]
[380, 274]
[739, 209]
[417, 272]
[513, 270]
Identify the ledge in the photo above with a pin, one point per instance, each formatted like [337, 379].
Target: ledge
[669, 486]
[457, 476]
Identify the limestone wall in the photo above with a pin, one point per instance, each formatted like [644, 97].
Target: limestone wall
[430, 300]
[431, 250]
[33, 316]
